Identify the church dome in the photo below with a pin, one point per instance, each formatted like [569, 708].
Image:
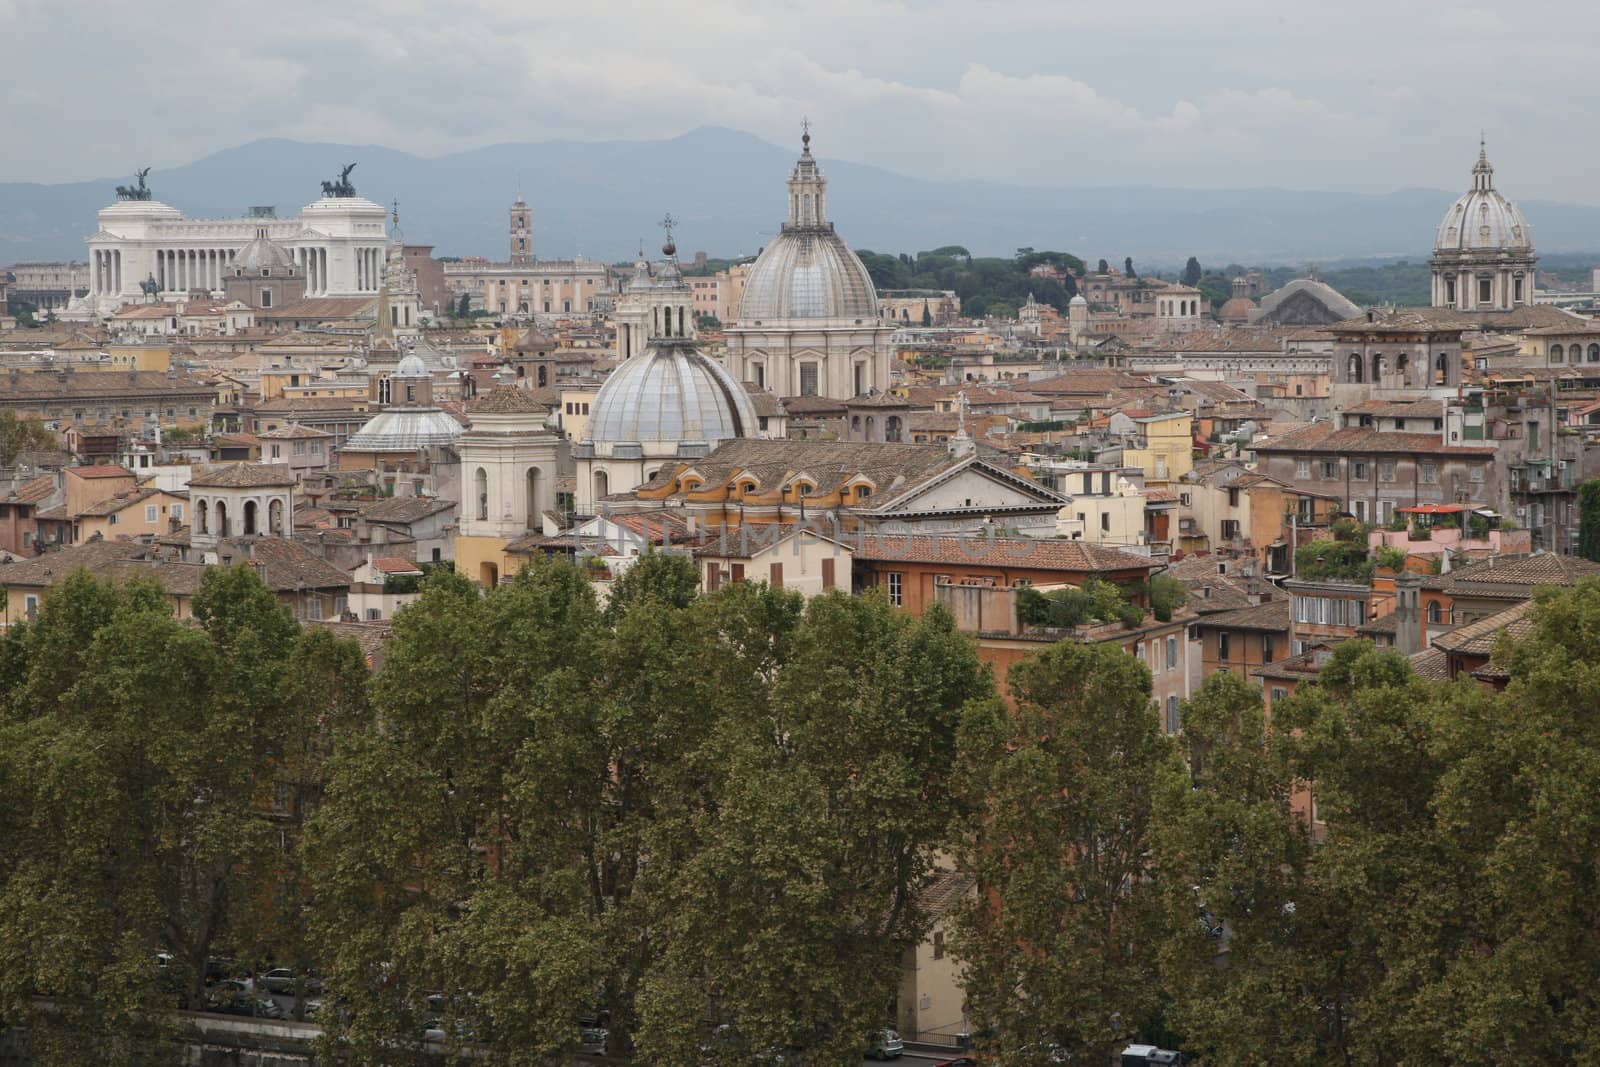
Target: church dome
[404, 430]
[411, 367]
[1482, 219]
[263, 253]
[807, 272]
[670, 400]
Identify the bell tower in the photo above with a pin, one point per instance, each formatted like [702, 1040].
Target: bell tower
[521, 233]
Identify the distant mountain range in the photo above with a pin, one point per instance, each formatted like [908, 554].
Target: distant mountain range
[600, 199]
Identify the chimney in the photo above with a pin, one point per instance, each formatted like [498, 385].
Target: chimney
[1408, 636]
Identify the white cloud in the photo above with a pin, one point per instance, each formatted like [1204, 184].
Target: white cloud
[1367, 95]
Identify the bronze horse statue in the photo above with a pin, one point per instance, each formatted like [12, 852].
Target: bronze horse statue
[342, 187]
[135, 192]
[150, 287]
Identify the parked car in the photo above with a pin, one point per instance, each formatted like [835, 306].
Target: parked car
[959, 1061]
[884, 1044]
[250, 1004]
[1151, 1056]
[594, 1040]
[282, 980]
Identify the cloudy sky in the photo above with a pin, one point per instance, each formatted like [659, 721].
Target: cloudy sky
[1358, 95]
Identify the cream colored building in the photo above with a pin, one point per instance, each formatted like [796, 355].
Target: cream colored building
[784, 558]
[1165, 447]
[931, 1001]
[718, 295]
[527, 286]
[508, 475]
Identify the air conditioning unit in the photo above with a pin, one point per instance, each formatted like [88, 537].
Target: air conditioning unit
[1522, 511]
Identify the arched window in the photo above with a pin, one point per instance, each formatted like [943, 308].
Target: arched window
[602, 486]
[872, 426]
[543, 376]
[203, 517]
[1401, 362]
[275, 518]
[855, 423]
[481, 488]
[1441, 370]
[222, 520]
[1434, 614]
[1355, 367]
[1557, 354]
[1377, 367]
[533, 498]
[249, 518]
[891, 429]
[1594, 353]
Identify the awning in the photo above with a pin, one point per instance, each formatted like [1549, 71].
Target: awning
[1434, 509]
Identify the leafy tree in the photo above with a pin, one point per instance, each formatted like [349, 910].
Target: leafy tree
[831, 793]
[22, 435]
[1167, 594]
[1231, 869]
[1055, 948]
[1192, 272]
[1589, 520]
[1333, 560]
[141, 756]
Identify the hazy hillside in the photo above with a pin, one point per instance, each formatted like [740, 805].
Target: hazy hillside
[726, 187]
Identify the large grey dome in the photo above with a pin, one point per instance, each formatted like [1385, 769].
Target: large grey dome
[808, 272]
[404, 430]
[1482, 219]
[264, 253]
[669, 400]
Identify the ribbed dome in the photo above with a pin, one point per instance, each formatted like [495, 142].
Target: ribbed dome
[808, 274]
[669, 400]
[264, 253]
[404, 430]
[1482, 219]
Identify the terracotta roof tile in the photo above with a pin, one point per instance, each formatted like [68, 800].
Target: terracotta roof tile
[1478, 638]
[1035, 553]
[242, 475]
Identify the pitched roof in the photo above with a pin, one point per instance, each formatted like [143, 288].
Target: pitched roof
[507, 400]
[292, 431]
[100, 471]
[404, 509]
[1478, 638]
[114, 504]
[1271, 617]
[395, 565]
[1430, 663]
[1512, 577]
[243, 475]
[1323, 437]
[945, 891]
[33, 490]
[283, 565]
[1031, 553]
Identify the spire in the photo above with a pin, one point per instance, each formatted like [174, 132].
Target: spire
[808, 189]
[1482, 171]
